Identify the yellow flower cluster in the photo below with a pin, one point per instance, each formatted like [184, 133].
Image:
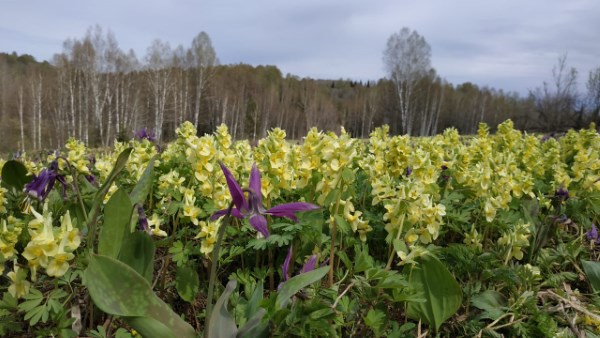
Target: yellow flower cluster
[208, 235]
[3, 201]
[19, 285]
[275, 158]
[515, 239]
[76, 155]
[307, 157]
[356, 222]
[9, 236]
[50, 247]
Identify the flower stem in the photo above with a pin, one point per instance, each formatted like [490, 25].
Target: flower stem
[213, 268]
[393, 253]
[76, 187]
[333, 238]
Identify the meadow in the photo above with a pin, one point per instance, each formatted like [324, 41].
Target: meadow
[492, 235]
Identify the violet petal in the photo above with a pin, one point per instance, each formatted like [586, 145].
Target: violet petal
[255, 184]
[285, 268]
[310, 264]
[234, 212]
[234, 189]
[259, 222]
[289, 210]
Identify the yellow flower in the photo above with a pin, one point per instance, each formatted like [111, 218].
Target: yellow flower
[154, 222]
[19, 286]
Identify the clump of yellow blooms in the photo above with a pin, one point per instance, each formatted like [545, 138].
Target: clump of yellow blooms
[308, 157]
[208, 235]
[19, 286]
[356, 222]
[50, 247]
[11, 228]
[76, 154]
[3, 201]
[274, 157]
[515, 239]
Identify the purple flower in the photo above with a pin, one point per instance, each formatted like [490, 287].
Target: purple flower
[408, 171]
[592, 234]
[143, 220]
[41, 185]
[285, 268]
[92, 179]
[145, 134]
[561, 194]
[308, 266]
[251, 207]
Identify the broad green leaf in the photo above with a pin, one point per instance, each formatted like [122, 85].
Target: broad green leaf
[149, 327]
[592, 270]
[254, 327]
[138, 252]
[443, 295]
[297, 283]
[144, 185]
[116, 224]
[119, 290]
[14, 174]
[187, 283]
[99, 198]
[221, 323]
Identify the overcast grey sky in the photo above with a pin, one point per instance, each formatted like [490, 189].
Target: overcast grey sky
[505, 44]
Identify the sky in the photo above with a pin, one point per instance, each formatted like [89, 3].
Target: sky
[504, 44]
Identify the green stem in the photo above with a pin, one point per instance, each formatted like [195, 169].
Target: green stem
[391, 259]
[213, 267]
[77, 191]
[332, 249]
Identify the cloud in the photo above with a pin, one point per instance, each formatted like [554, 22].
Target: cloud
[509, 44]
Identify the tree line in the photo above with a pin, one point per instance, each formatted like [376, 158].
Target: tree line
[97, 92]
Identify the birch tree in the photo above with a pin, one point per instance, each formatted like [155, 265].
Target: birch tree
[159, 74]
[407, 58]
[204, 59]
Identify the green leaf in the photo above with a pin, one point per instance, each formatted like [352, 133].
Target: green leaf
[138, 253]
[443, 295]
[150, 327]
[119, 290]
[33, 299]
[363, 260]
[592, 270]
[116, 224]
[99, 198]
[36, 315]
[14, 174]
[297, 283]
[376, 320]
[345, 259]
[254, 300]
[187, 283]
[221, 323]
[333, 195]
[348, 175]
[253, 327]
[492, 302]
[343, 226]
[144, 185]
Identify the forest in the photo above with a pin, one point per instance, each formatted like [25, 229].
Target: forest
[95, 91]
